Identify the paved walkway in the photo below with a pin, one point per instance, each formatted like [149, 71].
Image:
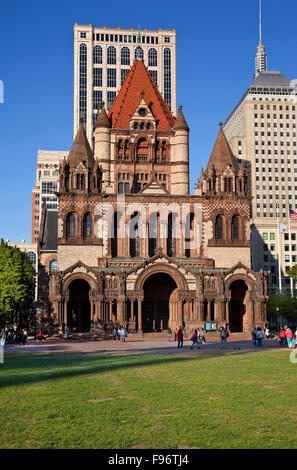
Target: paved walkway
[135, 347]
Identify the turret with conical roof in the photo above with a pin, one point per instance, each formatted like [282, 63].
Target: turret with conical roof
[102, 145]
[180, 155]
[80, 172]
[222, 174]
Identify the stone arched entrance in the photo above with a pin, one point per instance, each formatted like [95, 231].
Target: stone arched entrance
[157, 290]
[78, 306]
[238, 306]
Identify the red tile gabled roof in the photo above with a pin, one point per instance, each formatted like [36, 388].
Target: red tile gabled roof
[129, 96]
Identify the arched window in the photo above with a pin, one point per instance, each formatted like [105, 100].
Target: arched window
[148, 126]
[70, 225]
[127, 188]
[32, 257]
[120, 188]
[111, 55]
[189, 227]
[82, 181]
[120, 149]
[53, 267]
[138, 53]
[167, 76]
[152, 58]
[83, 82]
[228, 185]
[142, 149]
[219, 227]
[171, 238]
[164, 150]
[125, 56]
[134, 235]
[141, 126]
[87, 226]
[97, 55]
[153, 233]
[235, 227]
[136, 125]
[126, 149]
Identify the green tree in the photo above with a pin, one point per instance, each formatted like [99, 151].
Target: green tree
[17, 285]
[292, 272]
[283, 305]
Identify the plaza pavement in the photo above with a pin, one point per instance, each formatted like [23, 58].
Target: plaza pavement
[139, 347]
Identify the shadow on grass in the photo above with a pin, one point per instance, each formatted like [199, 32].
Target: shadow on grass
[20, 369]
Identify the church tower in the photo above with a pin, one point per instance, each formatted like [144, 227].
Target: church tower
[140, 137]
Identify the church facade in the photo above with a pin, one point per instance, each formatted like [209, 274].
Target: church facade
[130, 245]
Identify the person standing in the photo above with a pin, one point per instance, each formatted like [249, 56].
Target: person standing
[176, 332]
[25, 336]
[223, 336]
[254, 336]
[114, 335]
[169, 332]
[68, 332]
[63, 327]
[282, 336]
[289, 336]
[259, 336]
[123, 334]
[180, 338]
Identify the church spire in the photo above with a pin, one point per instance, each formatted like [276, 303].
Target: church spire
[261, 57]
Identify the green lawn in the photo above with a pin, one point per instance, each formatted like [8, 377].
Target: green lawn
[238, 400]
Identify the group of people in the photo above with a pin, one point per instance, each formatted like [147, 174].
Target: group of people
[119, 334]
[12, 336]
[179, 336]
[287, 337]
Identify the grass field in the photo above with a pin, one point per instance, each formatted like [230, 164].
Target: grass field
[243, 400]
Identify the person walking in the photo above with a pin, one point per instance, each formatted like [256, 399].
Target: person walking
[194, 340]
[169, 333]
[202, 334]
[198, 335]
[40, 335]
[63, 327]
[259, 336]
[223, 336]
[180, 338]
[289, 336]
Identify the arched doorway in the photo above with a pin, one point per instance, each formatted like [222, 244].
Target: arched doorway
[78, 309]
[237, 308]
[155, 306]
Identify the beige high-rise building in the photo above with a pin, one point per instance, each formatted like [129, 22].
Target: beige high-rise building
[261, 131]
[102, 59]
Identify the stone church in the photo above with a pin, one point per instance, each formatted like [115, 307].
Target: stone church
[129, 245]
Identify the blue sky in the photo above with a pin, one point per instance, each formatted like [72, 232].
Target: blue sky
[216, 44]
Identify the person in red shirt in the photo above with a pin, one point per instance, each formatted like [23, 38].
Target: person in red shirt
[289, 336]
[282, 336]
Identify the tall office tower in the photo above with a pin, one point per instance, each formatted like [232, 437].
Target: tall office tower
[47, 176]
[103, 58]
[261, 131]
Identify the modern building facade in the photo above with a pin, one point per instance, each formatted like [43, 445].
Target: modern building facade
[129, 245]
[261, 131]
[103, 58]
[47, 184]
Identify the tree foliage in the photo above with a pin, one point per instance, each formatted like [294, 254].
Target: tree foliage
[283, 305]
[17, 285]
[292, 272]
